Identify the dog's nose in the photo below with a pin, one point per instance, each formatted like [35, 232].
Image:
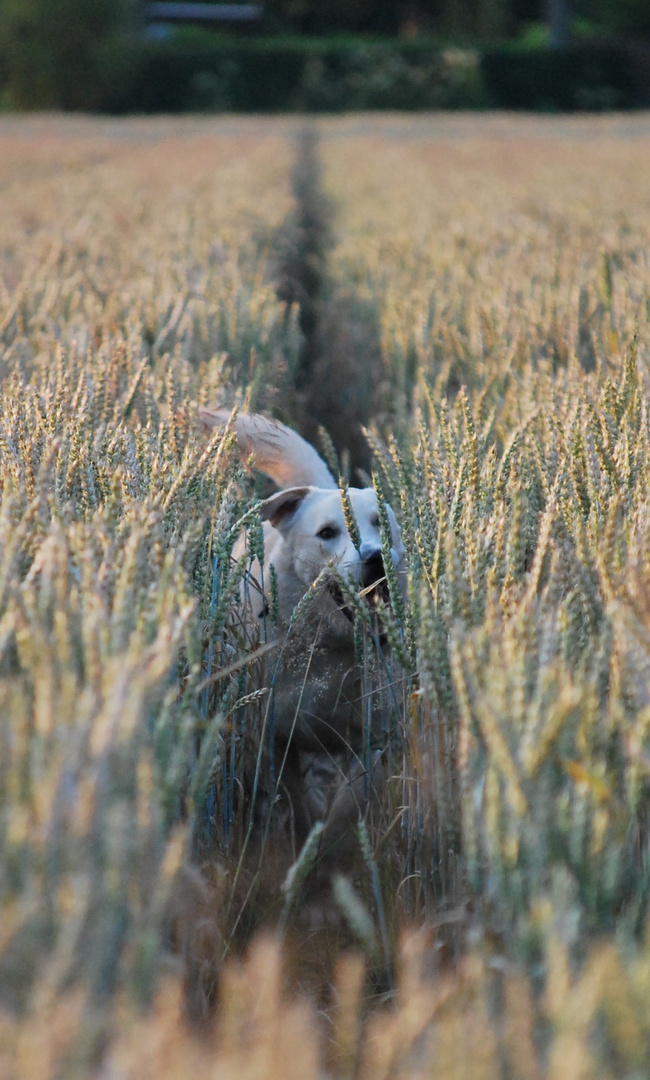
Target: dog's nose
[372, 565]
[368, 552]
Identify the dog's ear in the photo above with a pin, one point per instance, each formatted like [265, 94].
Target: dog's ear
[280, 508]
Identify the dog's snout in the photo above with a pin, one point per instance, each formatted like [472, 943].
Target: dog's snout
[372, 566]
[368, 552]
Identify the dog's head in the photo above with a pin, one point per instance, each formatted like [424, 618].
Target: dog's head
[312, 524]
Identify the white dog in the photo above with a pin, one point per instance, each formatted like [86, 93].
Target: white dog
[318, 701]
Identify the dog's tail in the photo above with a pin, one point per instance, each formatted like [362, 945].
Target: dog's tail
[277, 451]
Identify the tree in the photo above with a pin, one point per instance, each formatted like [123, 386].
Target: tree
[69, 54]
[312, 16]
[629, 17]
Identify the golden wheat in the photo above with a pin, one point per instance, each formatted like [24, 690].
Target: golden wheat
[494, 272]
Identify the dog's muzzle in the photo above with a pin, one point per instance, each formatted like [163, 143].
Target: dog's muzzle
[372, 568]
[373, 577]
[374, 587]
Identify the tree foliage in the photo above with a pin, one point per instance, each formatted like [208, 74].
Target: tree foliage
[478, 19]
[65, 53]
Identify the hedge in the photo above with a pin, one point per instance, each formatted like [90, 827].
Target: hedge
[590, 77]
[199, 70]
[263, 75]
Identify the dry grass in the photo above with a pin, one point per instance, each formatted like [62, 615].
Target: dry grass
[499, 270]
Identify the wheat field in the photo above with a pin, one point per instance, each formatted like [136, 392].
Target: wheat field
[480, 304]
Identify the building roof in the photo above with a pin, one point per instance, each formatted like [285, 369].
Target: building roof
[172, 11]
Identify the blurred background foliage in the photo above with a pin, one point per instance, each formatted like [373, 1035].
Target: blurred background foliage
[66, 54]
[478, 19]
[303, 55]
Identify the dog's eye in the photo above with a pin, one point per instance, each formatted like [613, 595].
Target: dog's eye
[328, 532]
[375, 522]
